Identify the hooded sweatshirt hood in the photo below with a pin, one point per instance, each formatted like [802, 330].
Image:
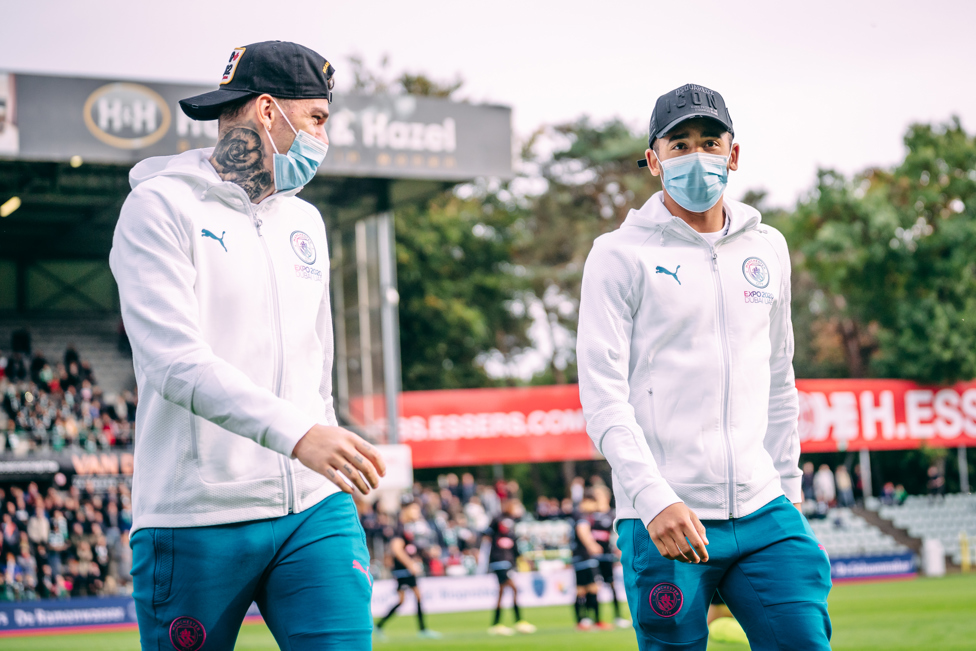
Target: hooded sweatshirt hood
[194, 168]
[194, 165]
[654, 214]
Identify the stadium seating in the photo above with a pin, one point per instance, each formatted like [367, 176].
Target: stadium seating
[845, 534]
[95, 338]
[942, 518]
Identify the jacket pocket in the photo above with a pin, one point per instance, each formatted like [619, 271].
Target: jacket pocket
[653, 437]
[643, 548]
[163, 567]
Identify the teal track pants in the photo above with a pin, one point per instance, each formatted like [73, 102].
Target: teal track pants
[768, 566]
[308, 573]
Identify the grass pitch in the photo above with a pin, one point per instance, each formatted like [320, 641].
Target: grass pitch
[893, 616]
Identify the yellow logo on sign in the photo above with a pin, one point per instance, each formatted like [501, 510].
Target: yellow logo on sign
[127, 116]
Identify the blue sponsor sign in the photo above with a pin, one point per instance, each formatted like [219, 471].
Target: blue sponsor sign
[24, 616]
[53, 613]
[871, 567]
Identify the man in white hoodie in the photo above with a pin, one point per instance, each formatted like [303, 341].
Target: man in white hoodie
[242, 481]
[685, 352]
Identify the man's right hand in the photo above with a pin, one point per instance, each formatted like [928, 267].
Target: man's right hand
[669, 530]
[334, 451]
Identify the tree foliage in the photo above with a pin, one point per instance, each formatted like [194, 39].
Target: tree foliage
[890, 256]
[591, 181]
[456, 288]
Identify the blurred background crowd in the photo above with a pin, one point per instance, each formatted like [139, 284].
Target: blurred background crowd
[55, 402]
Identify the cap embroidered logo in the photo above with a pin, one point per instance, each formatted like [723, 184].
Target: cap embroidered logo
[235, 58]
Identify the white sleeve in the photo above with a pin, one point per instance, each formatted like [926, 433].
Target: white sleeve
[152, 264]
[782, 440]
[609, 299]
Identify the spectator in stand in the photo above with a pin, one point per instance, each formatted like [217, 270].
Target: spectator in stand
[936, 482]
[900, 495]
[823, 485]
[858, 485]
[576, 489]
[20, 341]
[806, 483]
[845, 489]
[468, 488]
[71, 355]
[888, 494]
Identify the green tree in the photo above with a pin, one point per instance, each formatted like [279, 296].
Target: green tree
[890, 255]
[456, 289]
[590, 182]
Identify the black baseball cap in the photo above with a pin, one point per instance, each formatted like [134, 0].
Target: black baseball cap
[279, 68]
[688, 101]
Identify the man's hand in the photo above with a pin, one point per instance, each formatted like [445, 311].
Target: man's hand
[417, 568]
[799, 506]
[670, 528]
[334, 451]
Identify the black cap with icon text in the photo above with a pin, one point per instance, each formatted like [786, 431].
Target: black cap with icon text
[281, 69]
[684, 103]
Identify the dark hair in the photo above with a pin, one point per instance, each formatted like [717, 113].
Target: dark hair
[233, 110]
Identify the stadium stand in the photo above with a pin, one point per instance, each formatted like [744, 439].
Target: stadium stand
[845, 534]
[58, 544]
[51, 400]
[942, 518]
[97, 339]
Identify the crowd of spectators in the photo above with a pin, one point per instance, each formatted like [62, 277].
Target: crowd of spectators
[57, 403]
[58, 543]
[456, 513]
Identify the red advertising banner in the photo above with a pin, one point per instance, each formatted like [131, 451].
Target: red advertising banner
[482, 426]
[884, 415]
[530, 424]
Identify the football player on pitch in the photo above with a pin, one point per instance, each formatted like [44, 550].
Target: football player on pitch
[685, 352]
[242, 484]
[409, 546]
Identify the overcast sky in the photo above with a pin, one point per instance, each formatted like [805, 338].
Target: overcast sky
[827, 83]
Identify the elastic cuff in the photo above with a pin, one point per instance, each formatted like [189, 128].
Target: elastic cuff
[793, 488]
[653, 499]
[287, 429]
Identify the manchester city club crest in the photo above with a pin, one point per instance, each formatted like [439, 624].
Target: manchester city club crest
[666, 599]
[303, 246]
[187, 634]
[756, 272]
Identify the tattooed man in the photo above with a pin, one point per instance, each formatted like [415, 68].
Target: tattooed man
[243, 480]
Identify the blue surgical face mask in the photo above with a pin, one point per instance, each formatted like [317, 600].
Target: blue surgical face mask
[695, 181]
[297, 167]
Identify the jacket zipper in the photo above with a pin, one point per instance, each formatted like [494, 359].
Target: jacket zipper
[283, 463]
[727, 379]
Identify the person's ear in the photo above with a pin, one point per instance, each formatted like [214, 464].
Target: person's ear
[652, 163]
[734, 157]
[263, 111]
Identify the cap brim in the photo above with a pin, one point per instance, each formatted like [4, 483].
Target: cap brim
[208, 106]
[671, 125]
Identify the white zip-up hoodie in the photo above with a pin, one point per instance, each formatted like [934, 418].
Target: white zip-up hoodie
[226, 305]
[685, 356]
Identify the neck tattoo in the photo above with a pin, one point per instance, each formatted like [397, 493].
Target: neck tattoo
[238, 158]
